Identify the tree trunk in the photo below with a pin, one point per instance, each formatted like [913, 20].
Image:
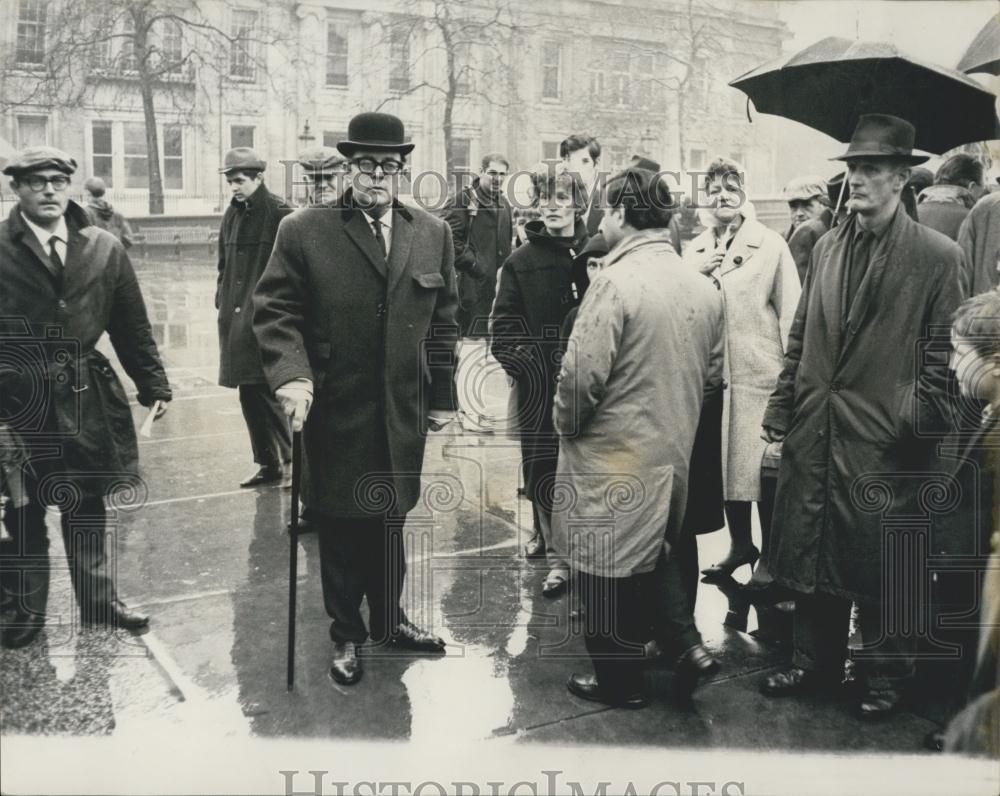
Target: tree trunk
[149, 112]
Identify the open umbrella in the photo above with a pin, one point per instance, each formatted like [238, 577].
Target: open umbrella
[831, 83]
[983, 54]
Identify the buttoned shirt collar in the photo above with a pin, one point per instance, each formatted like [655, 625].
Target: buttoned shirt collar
[386, 221]
[60, 233]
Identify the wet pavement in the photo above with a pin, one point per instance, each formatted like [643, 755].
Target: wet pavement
[209, 562]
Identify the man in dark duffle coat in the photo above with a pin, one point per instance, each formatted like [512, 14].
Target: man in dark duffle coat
[246, 237]
[860, 404]
[355, 317]
[63, 283]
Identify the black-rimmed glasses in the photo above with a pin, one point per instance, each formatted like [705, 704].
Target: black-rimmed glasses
[368, 165]
[37, 182]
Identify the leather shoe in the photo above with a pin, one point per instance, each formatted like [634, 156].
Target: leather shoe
[796, 682]
[934, 740]
[726, 567]
[694, 665]
[117, 615]
[586, 687]
[22, 631]
[880, 703]
[408, 636]
[265, 475]
[345, 668]
[535, 547]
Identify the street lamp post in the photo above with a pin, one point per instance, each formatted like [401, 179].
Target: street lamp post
[647, 142]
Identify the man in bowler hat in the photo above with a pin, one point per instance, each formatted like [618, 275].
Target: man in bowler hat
[65, 283]
[859, 403]
[355, 317]
[249, 226]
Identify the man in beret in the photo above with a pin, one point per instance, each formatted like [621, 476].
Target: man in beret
[326, 170]
[246, 237]
[66, 283]
[355, 314]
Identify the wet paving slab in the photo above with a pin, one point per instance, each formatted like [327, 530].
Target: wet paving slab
[209, 562]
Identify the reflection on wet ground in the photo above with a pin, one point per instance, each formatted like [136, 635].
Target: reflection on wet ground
[209, 562]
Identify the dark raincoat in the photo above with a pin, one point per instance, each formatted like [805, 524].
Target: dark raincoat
[862, 402]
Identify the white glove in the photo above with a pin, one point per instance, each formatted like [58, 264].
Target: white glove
[296, 398]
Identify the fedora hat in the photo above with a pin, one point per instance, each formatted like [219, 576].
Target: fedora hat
[242, 157]
[378, 131]
[879, 135]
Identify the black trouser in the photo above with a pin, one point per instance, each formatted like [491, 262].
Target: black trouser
[618, 615]
[820, 630]
[359, 558]
[270, 436]
[24, 558]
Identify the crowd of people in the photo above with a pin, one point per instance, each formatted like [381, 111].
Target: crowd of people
[658, 385]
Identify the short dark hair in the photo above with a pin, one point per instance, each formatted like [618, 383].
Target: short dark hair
[579, 141]
[498, 157]
[546, 177]
[644, 195]
[978, 320]
[722, 168]
[960, 169]
[248, 173]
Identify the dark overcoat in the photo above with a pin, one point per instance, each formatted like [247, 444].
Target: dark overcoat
[534, 297]
[56, 389]
[804, 239]
[862, 399]
[245, 242]
[377, 340]
[482, 231]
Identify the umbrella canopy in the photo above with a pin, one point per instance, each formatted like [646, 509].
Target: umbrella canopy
[983, 54]
[831, 83]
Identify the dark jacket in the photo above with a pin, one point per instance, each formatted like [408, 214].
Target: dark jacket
[103, 215]
[377, 340]
[245, 241]
[482, 231]
[804, 239]
[54, 385]
[862, 402]
[979, 238]
[944, 208]
[534, 297]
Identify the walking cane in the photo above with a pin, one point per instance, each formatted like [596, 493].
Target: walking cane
[293, 552]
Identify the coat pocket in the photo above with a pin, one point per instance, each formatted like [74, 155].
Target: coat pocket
[432, 280]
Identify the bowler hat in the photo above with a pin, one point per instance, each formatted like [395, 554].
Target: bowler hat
[242, 158]
[322, 160]
[37, 158]
[378, 131]
[878, 135]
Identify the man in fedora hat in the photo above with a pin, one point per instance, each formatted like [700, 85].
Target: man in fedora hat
[355, 315]
[65, 284]
[326, 169]
[246, 236]
[858, 404]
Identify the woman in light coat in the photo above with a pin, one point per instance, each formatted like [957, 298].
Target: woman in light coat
[756, 273]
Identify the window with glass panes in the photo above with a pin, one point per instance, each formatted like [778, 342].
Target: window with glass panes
[333, 137]
[241, 63]
[461, 153]
[30, 46]
[241, 135]
[32, 131]
[551, 70]
[102, 152]
[550, 150]
[463, 69]
[134, 153]
[399, 61]
[336, 52]
[173, 46]
[173, 157]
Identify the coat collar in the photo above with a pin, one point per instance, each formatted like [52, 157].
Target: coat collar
[748, 239]
[642, 238]
[357, 228]
[77, 222]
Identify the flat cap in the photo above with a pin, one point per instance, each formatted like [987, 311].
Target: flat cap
[37, 158]
[322, 160]
[242, 157]
[802, 189]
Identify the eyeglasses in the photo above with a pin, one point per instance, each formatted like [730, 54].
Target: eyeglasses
[37, 182]
[368, 165]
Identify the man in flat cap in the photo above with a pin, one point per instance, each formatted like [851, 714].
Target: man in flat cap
[860, 404]
[246, 237]
[326, 170]
[66, 283]
[355, 315]
[809, 205]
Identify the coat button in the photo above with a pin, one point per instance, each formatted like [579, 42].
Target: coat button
[820, 433]
[834, 386]
[62, 304]
[237, 310]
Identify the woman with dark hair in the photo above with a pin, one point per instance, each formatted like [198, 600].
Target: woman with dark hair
[533, 298]
[756, 273]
